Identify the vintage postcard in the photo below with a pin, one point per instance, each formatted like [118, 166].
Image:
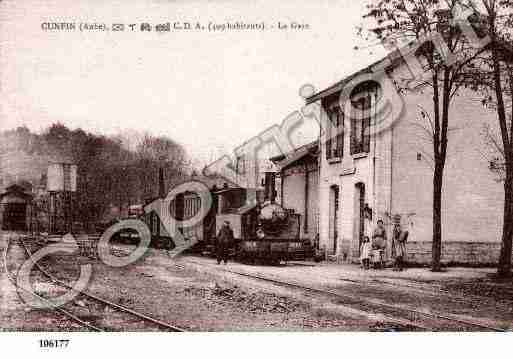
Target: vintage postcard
[331, 166]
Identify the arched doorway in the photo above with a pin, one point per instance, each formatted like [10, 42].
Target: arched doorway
[359, 213]
[333, 222]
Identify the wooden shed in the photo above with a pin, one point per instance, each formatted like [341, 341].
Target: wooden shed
[15, 207]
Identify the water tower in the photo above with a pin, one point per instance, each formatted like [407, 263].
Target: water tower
[61, 184]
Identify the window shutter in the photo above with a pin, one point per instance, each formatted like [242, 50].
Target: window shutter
[340, 134]
[353, 135]
[328, 148]
[340, 145]
[355, 118]
[366, 125]
[329, 135]
[366, 134]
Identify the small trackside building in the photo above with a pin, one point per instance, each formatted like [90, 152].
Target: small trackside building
[15, 208]
[368, 173]
[298, 186]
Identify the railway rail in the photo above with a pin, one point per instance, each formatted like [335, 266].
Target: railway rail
[455, 298]
[67, 314]
[134, 317]
[403, 315]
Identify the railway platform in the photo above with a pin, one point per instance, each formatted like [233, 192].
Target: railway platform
[466, 296]
[331, 273]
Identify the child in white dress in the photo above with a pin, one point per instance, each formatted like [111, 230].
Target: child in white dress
[365, 252]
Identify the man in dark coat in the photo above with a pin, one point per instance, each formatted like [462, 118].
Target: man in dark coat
[224, 241]
[399, 247]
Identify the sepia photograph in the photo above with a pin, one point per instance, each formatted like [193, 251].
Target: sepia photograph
[329, 171]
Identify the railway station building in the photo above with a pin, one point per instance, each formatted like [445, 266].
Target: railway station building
[385, 171]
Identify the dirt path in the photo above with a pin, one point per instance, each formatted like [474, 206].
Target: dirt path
[418, 289]
[167, 290]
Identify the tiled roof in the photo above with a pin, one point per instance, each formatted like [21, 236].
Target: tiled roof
[283, 161]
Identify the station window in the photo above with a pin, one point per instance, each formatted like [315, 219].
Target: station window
[335, 134]
[360, 125]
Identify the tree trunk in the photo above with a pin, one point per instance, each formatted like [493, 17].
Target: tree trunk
[504, 267]
[440, 143]
[437, 219]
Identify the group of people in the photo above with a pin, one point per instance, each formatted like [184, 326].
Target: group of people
[372, 252]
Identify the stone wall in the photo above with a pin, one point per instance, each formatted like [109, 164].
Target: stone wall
[468, 253]
[453, 253]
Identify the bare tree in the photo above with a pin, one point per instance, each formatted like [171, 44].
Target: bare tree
[428, 26]
[495, 78]
[160, 152]
[110, 172]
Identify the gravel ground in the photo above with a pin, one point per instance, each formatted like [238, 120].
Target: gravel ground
[468, 293]
[16, 315]
[167, 290]
[185, 295]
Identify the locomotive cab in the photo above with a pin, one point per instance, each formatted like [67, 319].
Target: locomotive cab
[265, 233]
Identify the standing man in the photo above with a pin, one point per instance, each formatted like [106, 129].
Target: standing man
[224, 241]
[399, 247]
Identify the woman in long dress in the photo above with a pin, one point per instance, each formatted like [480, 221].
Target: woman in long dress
[379, 243]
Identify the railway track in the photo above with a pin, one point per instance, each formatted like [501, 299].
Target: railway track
[402, 315]
[455, 298]
[118, 317]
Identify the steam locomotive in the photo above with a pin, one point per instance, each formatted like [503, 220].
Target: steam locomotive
[268, 233]
[263, 230]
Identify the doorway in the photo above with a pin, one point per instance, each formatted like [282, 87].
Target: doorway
[15, 217]
[359, 213]
[334, 208]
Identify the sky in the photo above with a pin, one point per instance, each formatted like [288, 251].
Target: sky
[209, 91]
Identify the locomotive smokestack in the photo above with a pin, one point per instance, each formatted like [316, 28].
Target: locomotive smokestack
[162, 188]
[269, 186]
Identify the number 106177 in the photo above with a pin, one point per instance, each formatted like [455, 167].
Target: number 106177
[53, 343]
